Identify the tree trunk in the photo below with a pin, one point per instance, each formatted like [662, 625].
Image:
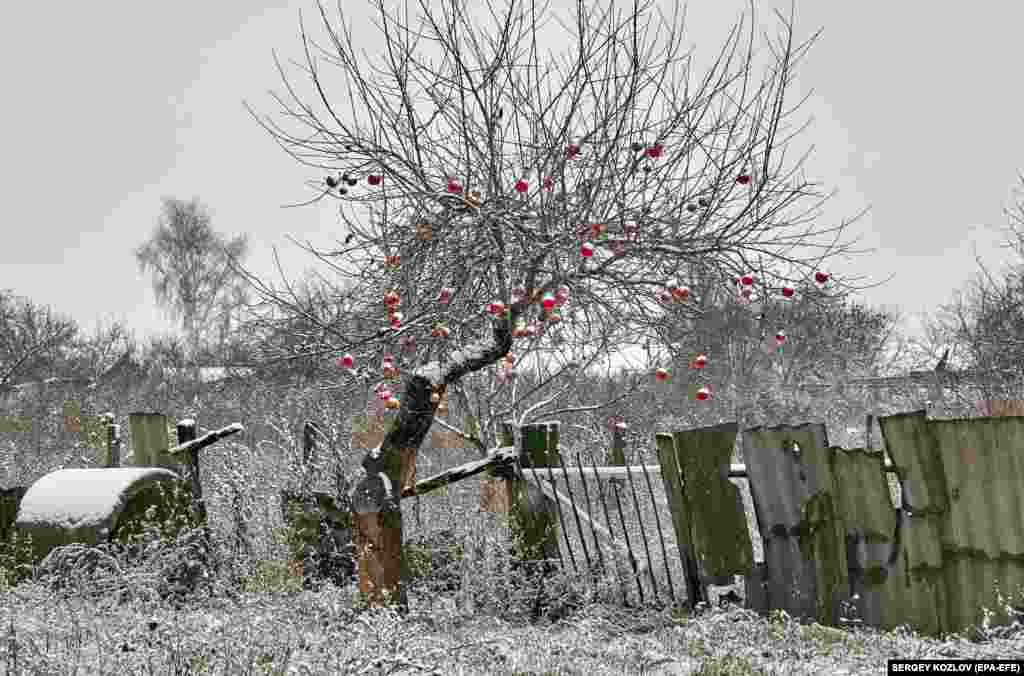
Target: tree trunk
[390, 469]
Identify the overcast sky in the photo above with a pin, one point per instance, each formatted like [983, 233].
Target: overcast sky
[111, 105]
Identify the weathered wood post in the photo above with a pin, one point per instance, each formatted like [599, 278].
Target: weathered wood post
[672, 477]
[149, 440]
[534, 520]
[113, 458]
[496, 487]
[186, 433]
[617, 454]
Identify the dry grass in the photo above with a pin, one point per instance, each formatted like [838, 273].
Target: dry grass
[467, 618]
[472, 616]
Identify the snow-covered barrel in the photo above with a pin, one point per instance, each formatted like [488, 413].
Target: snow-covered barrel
[84, 505]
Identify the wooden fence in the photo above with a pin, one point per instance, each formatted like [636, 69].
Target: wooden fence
[837, 550]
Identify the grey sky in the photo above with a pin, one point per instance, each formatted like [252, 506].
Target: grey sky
[110, 106]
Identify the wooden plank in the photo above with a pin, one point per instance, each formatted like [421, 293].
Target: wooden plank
[666, 449]
[499, 456]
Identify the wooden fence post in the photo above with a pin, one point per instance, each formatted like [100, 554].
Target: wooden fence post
[534, 520]
[113, 458]
[186, 433]
[671, 475]
[617, 455]
[496, 487]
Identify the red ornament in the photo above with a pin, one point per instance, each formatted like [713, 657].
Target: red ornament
[780, 337]
[704, 393]
[346, 361]
[522, 185]
[743, 179]
[661, 374]
[788, 291]
[548, 183]
[572, 151]
[548, 301]
[821, 277]
[655, 150]
[747, 279]
[587, 250]
[454, 187]
[374, 179]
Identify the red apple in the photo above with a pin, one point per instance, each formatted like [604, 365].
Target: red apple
[743, 179]
[587, 250]
[548, 301]
[495, 307]
[699, 361]
[680, 293]
[522, 185]
[788, 291]
[780, 337]
[747, 279]
[374, 179]
[346, 361]
[454, 187]
[821, 277]
[396, 319]
[661, 374]
[704, 393]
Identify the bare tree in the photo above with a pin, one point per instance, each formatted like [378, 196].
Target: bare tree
[983, 325]
[191, 270]
[34, 340]
[496, 194]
